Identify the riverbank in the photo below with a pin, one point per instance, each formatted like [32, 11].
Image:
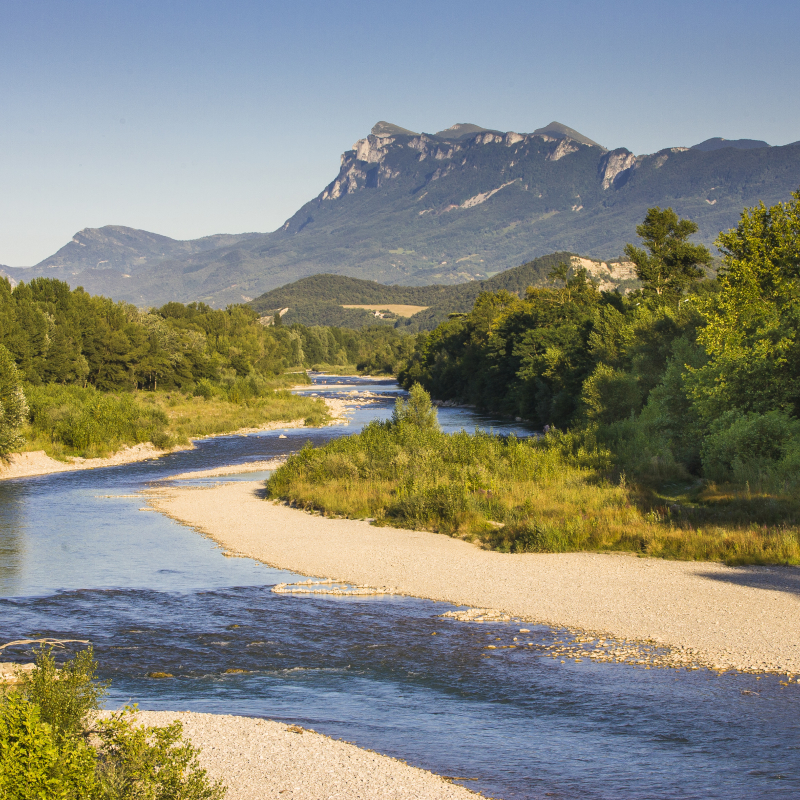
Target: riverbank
[742, 618]
[259, 758]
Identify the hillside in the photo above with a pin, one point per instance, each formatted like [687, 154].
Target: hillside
[319, 299]
[419, 209]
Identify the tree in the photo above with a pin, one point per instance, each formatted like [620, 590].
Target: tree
[13, 406]
[417, 411]
[670, 262]
[752, 331]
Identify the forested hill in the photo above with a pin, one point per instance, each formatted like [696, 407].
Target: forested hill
[320, 299]
[419, 209]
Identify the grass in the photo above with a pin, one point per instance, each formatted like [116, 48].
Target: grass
[336, 369]
[398, 309]
[191, 417]
[554, 494]
[68, 421]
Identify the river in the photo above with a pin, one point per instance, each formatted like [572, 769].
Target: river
[82, 556]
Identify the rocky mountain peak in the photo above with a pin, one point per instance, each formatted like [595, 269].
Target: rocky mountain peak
[559, 131]
[718, 143]
[383, 128]
[461, 129]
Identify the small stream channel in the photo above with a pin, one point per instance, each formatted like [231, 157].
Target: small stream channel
[80, 558]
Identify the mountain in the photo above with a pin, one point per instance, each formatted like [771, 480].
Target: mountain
[126, 250]
[335, 299]
[718, 143]
[559, 131]
[417, 209]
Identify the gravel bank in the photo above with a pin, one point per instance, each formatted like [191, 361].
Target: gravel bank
[729, 618]
[259, 759]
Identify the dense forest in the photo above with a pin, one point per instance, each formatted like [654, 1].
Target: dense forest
[687, 375]
[319, 299]
[87, 375]
[56, 335]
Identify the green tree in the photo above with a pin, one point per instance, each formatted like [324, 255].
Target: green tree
[669, 263]
[416, 411]
[752, 331]
[13, 406]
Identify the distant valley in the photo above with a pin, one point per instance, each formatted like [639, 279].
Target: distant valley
[414, 209]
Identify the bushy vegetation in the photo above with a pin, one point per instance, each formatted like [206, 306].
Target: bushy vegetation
[99, 375]
[375, 350]
[557, 493]
[73, 420]
[13, 405]
[679, 408]
[53, 745]
[83, 421]
[686, 377]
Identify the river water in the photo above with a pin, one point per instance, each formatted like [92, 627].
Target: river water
[82, 557]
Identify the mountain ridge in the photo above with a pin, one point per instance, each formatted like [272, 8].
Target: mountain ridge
[418, 209]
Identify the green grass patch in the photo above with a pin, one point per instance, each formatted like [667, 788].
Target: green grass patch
[67, 421]
[552, 494]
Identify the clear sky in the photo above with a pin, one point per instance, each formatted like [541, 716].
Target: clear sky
[193, 118]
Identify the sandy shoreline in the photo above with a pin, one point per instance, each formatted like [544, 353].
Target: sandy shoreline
[723, 617]
[31, 464]
[259, 758]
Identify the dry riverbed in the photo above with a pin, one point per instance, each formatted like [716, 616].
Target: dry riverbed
[620, 608]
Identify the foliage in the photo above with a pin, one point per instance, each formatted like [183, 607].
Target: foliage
[53, 745]
[669, 263]
[35, 762]
[57, 335]
[85, 421]
[139, 762]
[551, 494]
[67, 696]
[416, 411]
[13, 405]
[752, 324]
[762, 450]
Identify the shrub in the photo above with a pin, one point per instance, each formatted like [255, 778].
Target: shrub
[67, 696]
[761, 449]
[13, 406]
[53, 746]
[416, 411]
[35, 762]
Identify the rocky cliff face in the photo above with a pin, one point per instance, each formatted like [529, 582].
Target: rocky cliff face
[365, 165]
[417, 209]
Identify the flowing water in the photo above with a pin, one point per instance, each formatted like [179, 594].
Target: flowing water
[82, 557]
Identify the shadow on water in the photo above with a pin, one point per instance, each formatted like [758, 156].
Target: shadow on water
[81, 560]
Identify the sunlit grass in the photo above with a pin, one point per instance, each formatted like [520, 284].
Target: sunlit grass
[67, 421]
[551, 495]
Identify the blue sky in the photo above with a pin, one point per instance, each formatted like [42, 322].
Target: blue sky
[193, 118]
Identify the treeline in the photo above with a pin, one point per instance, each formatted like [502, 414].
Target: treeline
[685, 376]
[57, 335]
[64, 336]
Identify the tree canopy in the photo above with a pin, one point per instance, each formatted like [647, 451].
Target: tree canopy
[669, 262]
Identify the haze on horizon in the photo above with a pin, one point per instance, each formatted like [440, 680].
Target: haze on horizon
[194, 119]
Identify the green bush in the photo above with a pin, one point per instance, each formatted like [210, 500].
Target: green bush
[138, 761]
[760, 449]
[13, 406]
[52, 744]
[35, 762]
[86, 420]
[66, 696]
